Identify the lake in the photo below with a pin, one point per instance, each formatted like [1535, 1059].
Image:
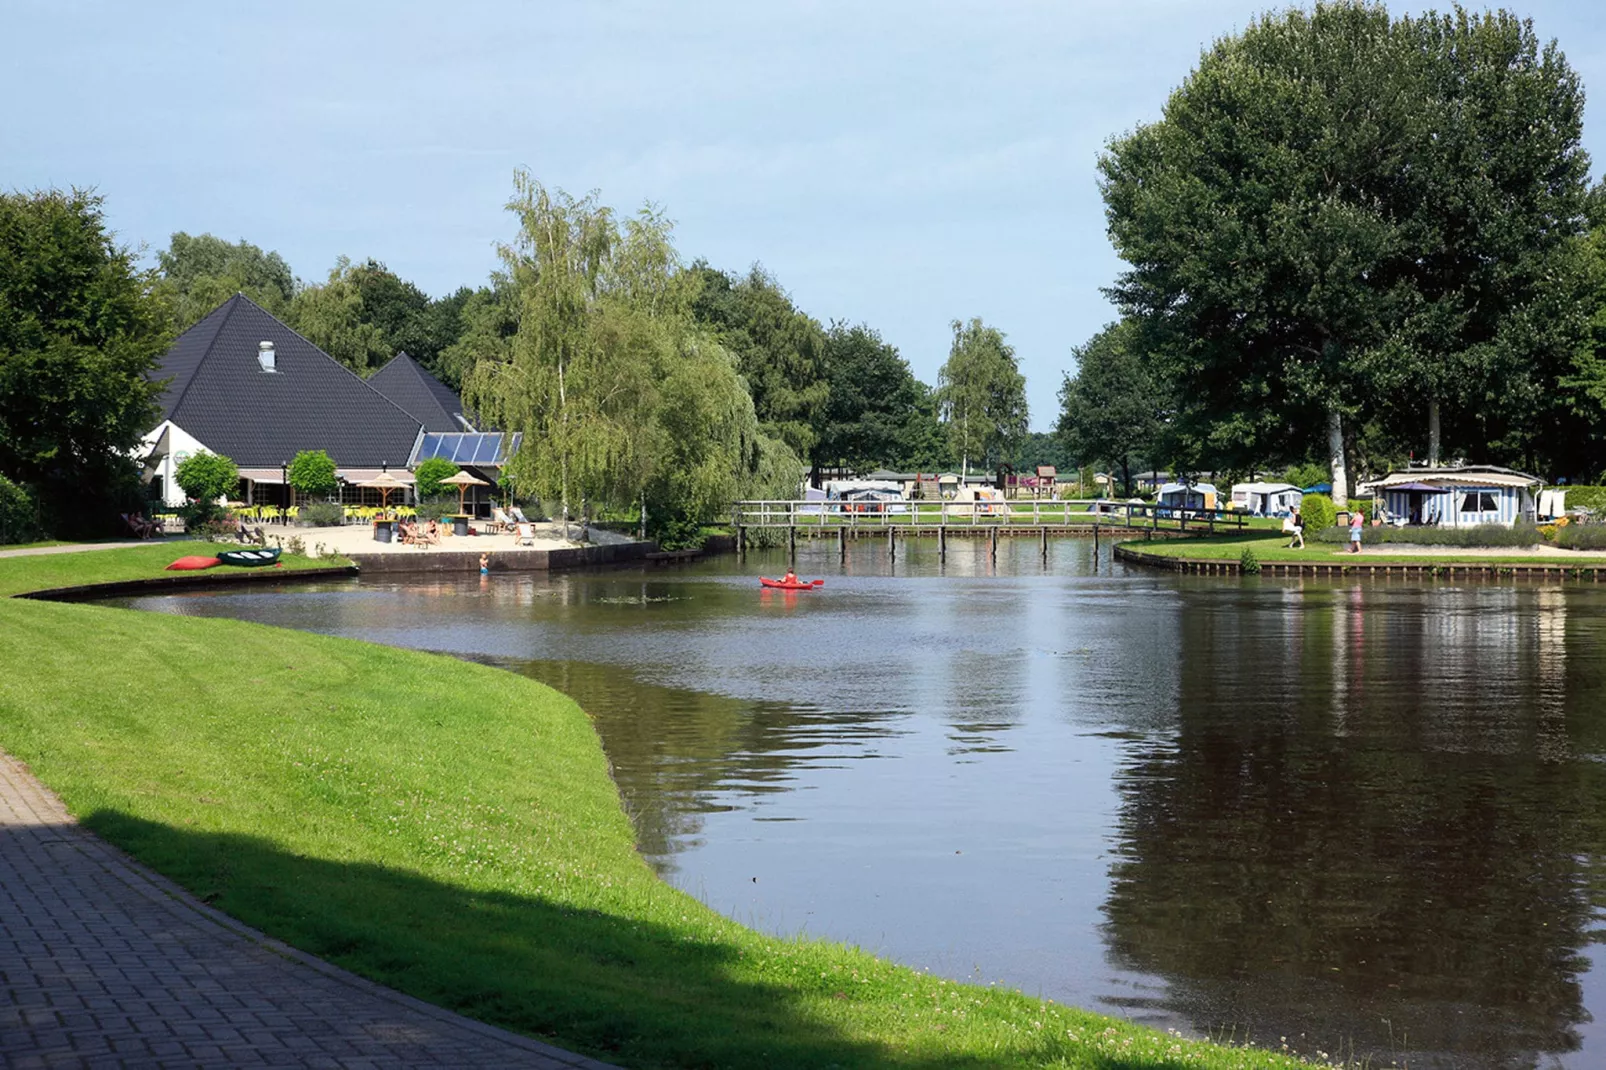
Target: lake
[1364, 816]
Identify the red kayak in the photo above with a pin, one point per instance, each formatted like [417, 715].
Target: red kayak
[795, 585]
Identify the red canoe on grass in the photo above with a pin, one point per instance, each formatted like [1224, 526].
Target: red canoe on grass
[797, 585]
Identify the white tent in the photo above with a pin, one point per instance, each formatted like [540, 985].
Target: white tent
[1267, 499]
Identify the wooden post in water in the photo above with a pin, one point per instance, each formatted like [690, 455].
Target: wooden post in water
[791, 543]
[942, 542]
[992, 543]
[892, 543]
[1044, 533]
[842, 544]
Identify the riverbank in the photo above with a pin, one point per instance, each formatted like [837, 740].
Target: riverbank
[1223, 554]
[451, 830]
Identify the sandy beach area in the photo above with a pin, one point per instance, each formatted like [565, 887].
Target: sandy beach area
[348, 539]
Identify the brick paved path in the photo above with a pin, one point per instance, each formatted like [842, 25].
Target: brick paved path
[104, 963]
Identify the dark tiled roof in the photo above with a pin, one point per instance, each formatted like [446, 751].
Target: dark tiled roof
[220, 394]
[407, 384]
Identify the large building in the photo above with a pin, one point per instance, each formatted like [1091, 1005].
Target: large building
[244, 385]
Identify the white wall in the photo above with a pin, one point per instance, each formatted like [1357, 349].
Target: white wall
[180, 444]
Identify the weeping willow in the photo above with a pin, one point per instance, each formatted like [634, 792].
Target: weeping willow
[623, 399]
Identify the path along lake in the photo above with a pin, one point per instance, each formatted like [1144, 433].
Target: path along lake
[1364, 816]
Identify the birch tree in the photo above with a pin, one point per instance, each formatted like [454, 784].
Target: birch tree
[982, 394]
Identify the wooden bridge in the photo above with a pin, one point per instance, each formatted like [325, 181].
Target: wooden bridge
[990, 519]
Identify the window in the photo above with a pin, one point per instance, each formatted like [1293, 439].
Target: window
[1479, 501]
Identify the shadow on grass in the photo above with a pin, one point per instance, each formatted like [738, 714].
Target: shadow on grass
[640, 993]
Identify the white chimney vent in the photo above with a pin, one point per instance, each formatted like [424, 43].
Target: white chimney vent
[265, 356]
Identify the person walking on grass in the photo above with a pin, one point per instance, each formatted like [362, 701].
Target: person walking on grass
[1356, 521]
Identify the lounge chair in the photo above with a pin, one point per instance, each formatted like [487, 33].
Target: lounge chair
[500, 521]
[524, 534]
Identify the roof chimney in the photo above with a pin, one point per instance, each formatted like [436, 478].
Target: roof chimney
[265, 356]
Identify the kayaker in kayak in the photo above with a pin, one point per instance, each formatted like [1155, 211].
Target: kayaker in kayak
[790, 577]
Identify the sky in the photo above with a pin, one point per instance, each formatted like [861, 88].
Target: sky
[897, 164]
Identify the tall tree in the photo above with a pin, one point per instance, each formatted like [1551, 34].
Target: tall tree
[878, 413]
[1114, 409]
[982, 394]
[779, 350]
[622, 397]
[332, 317]
[201, 272]
[1304, 236]
[80, 333]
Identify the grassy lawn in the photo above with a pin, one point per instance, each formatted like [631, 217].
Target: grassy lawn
[1275, 548]
[452, 830]
[43, 571]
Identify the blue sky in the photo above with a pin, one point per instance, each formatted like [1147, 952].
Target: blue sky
[900, 164]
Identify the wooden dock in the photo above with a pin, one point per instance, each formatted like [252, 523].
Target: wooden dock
[896, 520]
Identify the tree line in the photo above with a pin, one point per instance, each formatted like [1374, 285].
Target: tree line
[641, 382]
[1358, 240]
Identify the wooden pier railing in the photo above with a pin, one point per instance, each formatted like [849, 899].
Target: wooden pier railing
[904, 516]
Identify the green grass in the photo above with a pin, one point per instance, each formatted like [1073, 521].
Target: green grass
[43, 571]
[1275, 548]
[451, 830]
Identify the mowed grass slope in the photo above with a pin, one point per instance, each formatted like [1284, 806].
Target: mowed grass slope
[452, 830]
[37, 572]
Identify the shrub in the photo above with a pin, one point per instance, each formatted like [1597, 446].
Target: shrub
[438, 506]
[1496, 535]
[1582, 537]
[321, 514]
[1319, 512]
[428, 475]
[1248, 563]
[1591, 498]
[1306, 475]
[19, 515]
[207, 476]
[312, 473]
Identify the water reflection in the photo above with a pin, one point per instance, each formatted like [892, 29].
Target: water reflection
[1372, 834]
[1368, 815]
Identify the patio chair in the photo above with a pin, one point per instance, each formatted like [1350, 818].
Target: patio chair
[500, 521]
[524, 534]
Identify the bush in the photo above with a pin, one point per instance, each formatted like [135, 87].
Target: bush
[1496, 535]
[1248, 563]
[1591, 498]
[438, 506]
[1582, 537]
[321, 514]
[312, 473]
[1319, 512]
[207, 476]
[428, 475]
[19, 515]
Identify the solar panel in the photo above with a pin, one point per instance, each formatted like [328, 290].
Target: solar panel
[490, 448]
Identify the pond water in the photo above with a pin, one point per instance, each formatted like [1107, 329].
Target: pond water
[1368, 817]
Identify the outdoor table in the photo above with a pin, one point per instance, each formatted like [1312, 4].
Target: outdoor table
[384, 530]
[460, 524]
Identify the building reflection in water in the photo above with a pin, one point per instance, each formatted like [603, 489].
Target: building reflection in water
[1368, 829]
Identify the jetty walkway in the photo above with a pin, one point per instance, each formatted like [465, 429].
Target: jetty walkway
[893, 520]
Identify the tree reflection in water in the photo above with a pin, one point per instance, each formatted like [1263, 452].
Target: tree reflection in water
[1375, 829]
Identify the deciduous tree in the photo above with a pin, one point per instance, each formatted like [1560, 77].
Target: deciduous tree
[1114, 409]
[80, 333]
[201, 272]
[982, 394]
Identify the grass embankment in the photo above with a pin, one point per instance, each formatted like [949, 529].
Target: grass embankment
[451, 830]
[1269, 547]
[44, 571]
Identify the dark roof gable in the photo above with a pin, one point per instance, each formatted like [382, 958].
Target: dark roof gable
[405, 382]
[220, 394]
